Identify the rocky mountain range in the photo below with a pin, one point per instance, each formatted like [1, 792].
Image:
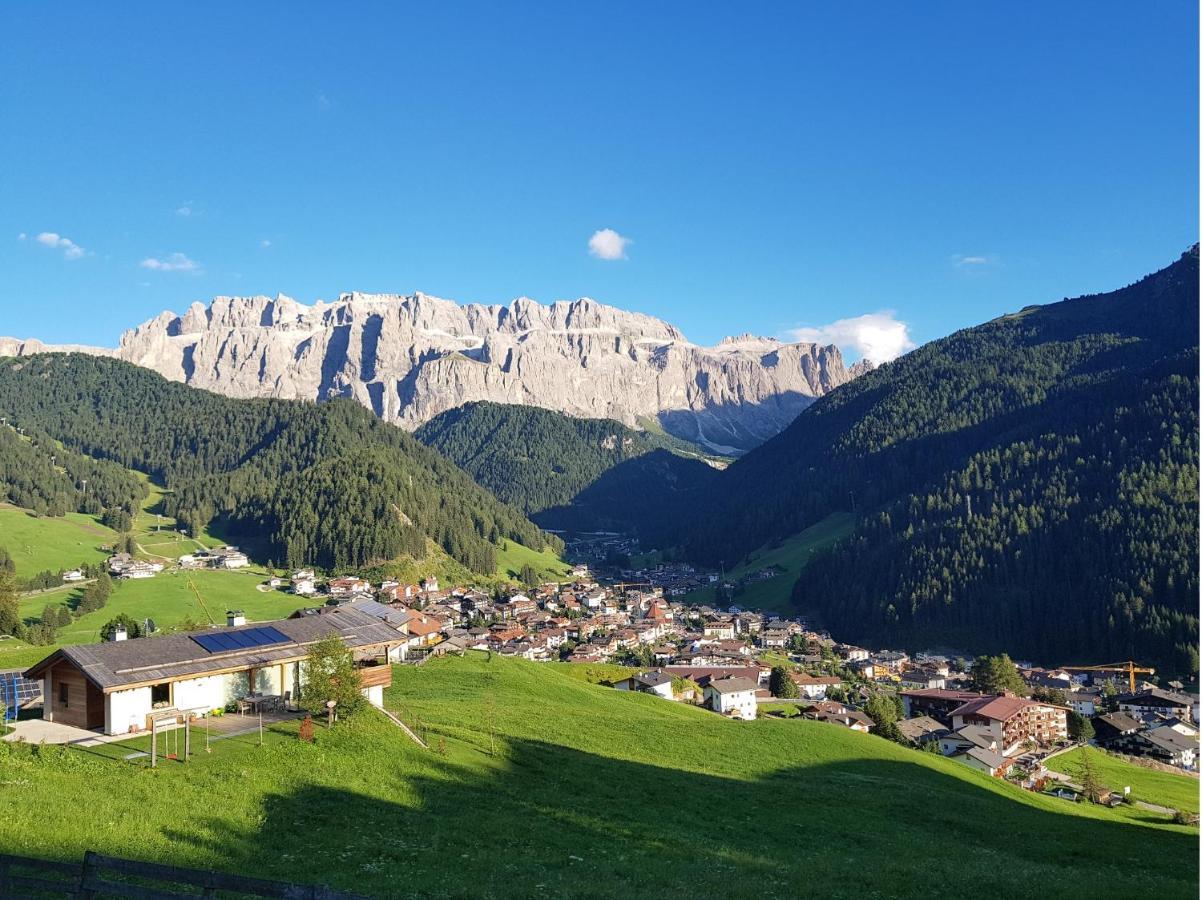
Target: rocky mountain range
[409, 358]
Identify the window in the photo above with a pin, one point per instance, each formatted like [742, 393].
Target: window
[160, 693]
[62, 696]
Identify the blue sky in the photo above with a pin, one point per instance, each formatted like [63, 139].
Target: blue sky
[773, 166]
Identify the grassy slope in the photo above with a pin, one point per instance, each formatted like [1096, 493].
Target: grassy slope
[512, 556]
[52, 543]
[791, 555]
[38, 544]
[165, 598]
[152, 533]
[169, 600]
[554, 787]
[1149, 785]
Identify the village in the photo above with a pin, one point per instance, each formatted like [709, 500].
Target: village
[736, 663]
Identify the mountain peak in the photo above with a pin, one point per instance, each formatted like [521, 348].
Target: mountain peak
[411, 357]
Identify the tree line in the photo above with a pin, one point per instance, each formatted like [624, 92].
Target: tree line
[541, 460]
[1030, 484]
[319, 484]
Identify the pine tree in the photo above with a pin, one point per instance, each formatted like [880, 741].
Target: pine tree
[781, 685]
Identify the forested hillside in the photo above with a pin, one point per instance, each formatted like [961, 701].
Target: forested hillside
[40, 475]
[1030, 484]
[324, 484]
[554, 466]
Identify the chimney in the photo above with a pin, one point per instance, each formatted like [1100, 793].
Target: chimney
[235, 617]
[119, 632]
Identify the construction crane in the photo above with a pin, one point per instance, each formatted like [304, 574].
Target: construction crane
[1129, 667]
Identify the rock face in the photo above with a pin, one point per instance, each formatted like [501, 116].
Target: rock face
[410, 358]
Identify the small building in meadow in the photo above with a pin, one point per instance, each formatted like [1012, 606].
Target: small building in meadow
[658, 683]
[115, 686]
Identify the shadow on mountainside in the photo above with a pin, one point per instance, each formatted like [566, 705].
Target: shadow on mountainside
[737, 426]
[641, 495]
[545, 820]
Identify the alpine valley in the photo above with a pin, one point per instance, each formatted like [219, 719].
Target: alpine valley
[1028, 484]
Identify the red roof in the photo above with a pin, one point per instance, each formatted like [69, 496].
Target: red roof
[1000, 708]
[421, 626]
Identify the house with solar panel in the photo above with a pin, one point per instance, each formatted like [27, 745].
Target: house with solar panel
[115, 686]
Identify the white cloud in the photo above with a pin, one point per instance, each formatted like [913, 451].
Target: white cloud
[877, 336]
[608, 244]
[71, 250]
[967, 262]
[176, 262]
[21, 236]
[264, 243]
[184, 211]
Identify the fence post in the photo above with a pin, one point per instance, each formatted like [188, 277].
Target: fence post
[89, 865]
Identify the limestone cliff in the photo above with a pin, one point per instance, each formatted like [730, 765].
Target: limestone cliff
[411, 357]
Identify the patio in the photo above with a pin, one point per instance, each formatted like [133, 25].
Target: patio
[38, 731]
[233, 723]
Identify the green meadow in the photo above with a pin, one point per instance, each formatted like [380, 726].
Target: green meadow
[788, 557]
[40, 544]
[168, 599]
[511, 556]
[1149, 785]
[541, 784]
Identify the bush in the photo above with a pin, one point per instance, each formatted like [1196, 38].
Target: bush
[329, 674]
[781, 684]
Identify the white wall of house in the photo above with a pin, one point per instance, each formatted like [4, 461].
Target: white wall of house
[267, 680]
[662, 690]
[374, 695]
[741, 703]
[206, 693]
[125, 710]
[291, 683]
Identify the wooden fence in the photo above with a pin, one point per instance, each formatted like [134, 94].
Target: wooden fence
[100, 876]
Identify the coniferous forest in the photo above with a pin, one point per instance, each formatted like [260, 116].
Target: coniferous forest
[1027, 485]
[329, 484]
[563, 471]
[1030, 484]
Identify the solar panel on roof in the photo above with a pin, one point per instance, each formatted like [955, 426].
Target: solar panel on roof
[273, 635]
[211, 642]
[244, 639]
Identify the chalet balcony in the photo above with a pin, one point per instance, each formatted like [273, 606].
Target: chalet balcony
[375, 675]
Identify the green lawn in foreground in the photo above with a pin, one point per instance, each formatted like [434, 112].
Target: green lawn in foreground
[791, 556]
[512, 556]
[551, 786]
[51, 543]
[1149, 785]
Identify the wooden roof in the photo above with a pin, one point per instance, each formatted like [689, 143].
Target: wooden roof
[118, 665]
